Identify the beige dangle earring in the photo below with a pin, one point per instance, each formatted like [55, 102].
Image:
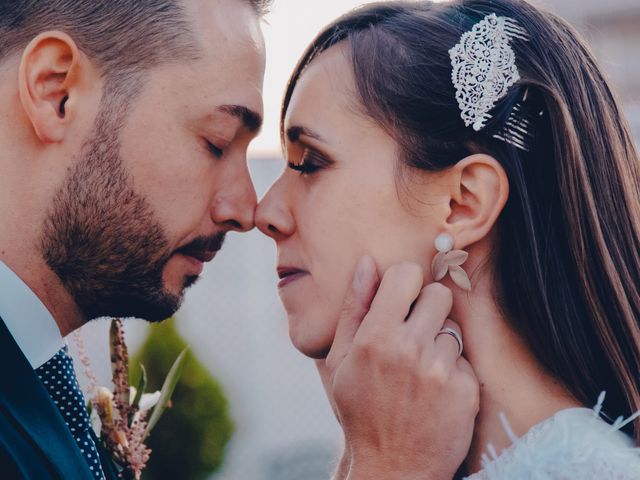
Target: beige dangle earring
[448, 261]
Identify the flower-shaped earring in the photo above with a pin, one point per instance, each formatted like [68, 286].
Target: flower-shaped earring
[448, 261]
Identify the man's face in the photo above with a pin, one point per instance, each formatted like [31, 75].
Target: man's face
[155, 189]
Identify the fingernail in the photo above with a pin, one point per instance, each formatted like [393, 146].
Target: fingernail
[360, 276]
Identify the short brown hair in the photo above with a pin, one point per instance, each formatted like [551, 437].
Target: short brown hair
[119, 35]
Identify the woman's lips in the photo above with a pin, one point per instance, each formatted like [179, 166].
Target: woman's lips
[289, 275]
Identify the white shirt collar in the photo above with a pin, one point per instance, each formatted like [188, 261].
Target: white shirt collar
[30, 323]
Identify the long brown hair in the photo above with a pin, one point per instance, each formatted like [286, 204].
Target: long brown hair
[568, 256]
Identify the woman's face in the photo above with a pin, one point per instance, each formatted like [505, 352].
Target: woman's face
[339, 199]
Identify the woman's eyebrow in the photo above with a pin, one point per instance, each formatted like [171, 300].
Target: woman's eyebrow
[294, 133]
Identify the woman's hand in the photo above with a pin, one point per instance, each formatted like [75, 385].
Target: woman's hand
[404, 398]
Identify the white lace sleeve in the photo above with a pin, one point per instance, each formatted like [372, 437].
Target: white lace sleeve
[574, 444]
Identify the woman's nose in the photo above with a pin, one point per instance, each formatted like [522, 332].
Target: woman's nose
[273, 217]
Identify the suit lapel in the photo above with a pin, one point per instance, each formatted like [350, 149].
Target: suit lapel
[23, 397]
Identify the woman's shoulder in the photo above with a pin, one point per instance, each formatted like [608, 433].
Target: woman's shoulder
[574, 443]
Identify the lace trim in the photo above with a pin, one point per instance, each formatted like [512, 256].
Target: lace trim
[573, 444]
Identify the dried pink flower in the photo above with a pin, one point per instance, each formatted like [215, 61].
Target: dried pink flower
[123, 412]
[123, 425]
[119, 363]
[83, 356]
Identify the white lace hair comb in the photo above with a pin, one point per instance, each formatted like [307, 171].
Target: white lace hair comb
[484, 67]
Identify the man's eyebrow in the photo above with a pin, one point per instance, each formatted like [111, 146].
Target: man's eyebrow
[294, 133]
[251, 120]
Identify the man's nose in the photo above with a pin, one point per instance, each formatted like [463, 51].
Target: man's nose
[234, 207]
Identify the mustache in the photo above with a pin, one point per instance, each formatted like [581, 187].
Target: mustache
[201, 246]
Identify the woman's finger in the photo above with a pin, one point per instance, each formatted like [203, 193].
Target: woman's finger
[430, 310]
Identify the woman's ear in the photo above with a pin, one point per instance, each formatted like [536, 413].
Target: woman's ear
[48, 80]
[480, 192]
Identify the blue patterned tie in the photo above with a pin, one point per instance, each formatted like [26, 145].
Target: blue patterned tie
[60, 380]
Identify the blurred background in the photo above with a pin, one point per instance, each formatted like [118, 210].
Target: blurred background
[261, 399]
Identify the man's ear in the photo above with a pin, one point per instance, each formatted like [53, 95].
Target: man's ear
[481, 190]
[49, 78]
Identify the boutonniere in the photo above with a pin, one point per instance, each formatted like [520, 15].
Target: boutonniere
[126, 415]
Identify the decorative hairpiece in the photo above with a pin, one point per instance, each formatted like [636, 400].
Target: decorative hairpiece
[517, 130]
[484, 67]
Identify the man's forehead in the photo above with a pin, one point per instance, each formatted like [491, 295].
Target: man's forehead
[230, 70]
[221, 25]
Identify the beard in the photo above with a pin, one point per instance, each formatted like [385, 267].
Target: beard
[101, 238]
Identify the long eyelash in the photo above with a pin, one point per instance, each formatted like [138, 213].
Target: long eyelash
[312, 155]
[304, 169]
[312, 161]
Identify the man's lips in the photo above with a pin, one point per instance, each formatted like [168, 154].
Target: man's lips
[203, 257]
[203, 249]
[197, 261]
[288, 275]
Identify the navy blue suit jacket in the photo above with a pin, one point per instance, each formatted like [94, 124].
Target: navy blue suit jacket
[35, 442]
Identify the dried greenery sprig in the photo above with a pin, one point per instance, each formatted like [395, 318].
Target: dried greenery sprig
[123, 412]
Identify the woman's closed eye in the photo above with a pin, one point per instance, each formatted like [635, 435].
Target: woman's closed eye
[311, 162]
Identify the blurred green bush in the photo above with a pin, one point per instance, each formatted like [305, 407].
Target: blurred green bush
[190, 439]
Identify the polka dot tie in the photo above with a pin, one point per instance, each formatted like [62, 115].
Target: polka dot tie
[59, 378]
